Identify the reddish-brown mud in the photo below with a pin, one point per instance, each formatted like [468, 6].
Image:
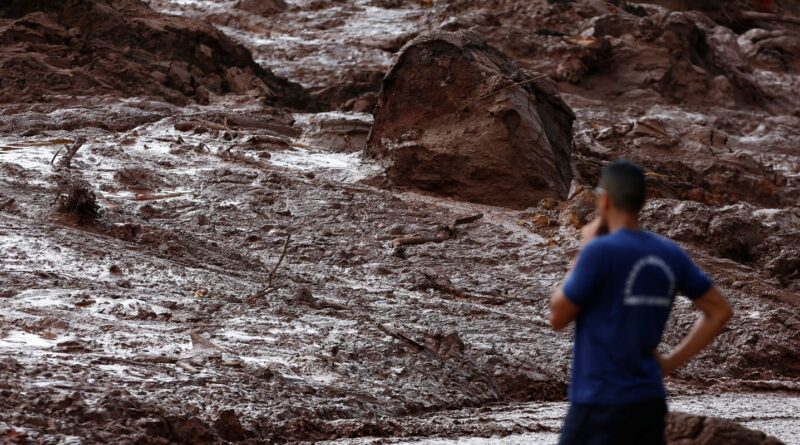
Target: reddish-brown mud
[53, 50]
[210, 268]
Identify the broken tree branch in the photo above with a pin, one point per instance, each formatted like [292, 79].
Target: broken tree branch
[467, 220]
[66, 160]
[280, 260]
[400, 336]
[766, 17]
[56, 155]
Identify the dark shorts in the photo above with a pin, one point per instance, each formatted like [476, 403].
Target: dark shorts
[633, 424]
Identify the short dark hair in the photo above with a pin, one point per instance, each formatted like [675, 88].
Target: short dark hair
[624, 183]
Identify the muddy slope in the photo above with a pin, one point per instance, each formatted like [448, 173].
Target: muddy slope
[146, 296]
[52, 49]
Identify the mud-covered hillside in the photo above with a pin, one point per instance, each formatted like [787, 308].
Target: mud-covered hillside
[301, 221]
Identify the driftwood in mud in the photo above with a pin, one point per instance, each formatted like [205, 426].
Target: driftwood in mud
[229, 155]
[280, 260]
[406, 339]
[72, 150]
[444, 233]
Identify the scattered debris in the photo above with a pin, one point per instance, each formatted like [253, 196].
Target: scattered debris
[443, 233]
[77, 199]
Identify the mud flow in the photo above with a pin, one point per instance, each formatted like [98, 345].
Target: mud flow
[323, 221]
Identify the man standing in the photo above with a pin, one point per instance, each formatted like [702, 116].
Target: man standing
[620, 293]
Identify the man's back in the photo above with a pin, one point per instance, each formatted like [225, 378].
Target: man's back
[619, 294]
[624, 284]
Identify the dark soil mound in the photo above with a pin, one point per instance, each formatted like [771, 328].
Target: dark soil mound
[688, 429]
[457, 117]
[765, 239]
[626, 53]
[124, 48]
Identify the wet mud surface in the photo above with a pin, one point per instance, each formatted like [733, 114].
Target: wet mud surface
[149, 293]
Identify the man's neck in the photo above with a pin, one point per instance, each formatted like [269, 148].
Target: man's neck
[623, 221]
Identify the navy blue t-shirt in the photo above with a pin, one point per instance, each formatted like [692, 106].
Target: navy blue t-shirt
[624, 284]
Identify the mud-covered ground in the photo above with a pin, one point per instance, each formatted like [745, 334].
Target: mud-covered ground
[176, 309]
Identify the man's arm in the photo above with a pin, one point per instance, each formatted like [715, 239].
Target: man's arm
[716, 313]
[562, 311]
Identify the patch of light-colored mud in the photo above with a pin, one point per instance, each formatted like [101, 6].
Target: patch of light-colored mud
[44, 298]
[265, 361]
[241, 336]
[305, 120]
[676, 116]
[343, 167]
[307, 44]
[23, 341]
[777, 82]
[302, 159]
[30, 154]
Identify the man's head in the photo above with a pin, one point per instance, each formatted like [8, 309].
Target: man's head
[621, 189]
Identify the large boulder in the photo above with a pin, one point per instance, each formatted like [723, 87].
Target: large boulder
[456, 117]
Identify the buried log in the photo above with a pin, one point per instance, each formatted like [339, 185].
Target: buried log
[444, 233]
[766, 17]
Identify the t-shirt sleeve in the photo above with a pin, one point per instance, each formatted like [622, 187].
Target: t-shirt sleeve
[584, 281]
[693, 282]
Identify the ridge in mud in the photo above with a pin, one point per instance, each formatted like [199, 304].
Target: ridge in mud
[688, 429]
[123, 48]
[457, 117]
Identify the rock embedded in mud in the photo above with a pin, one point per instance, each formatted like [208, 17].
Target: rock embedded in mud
[456, 117]
[762, 238]
[445, 345]
[688, 429]
[262, 7]
[229, 427]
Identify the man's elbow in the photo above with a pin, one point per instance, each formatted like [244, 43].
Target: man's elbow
[727, 314]
[556, 323]
[723, 315]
